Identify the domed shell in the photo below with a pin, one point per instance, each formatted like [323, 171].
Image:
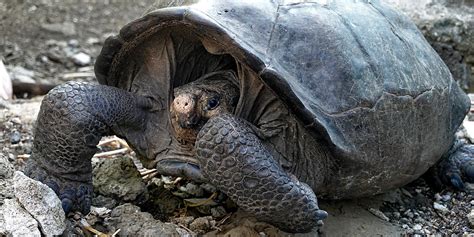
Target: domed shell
[357, 72]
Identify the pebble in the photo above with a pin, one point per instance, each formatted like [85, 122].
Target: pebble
[192, 189]
[440, 207]
[446, 197]
[15, 137]
[470, 218]
[22, 74]
[379, 214]
[81, 59]
[218, 212]
[16, 120]
[417, 227]
[184, 220]
[201, 224]
[437, 197]
[65, 28]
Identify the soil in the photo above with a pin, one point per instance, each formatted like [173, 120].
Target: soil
[43, 37]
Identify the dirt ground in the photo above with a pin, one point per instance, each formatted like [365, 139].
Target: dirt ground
[45, 37]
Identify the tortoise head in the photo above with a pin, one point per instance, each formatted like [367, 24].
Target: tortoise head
[195, 103]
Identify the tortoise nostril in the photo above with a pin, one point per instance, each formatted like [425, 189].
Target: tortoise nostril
[186, 104]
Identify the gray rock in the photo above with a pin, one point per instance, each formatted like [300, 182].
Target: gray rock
[118, 178]
[102, 201]
[6, 179]
[192, 189]
[41, 202]
[65, 28]
[446, 197]
[470, 218]
[22, 75]
[16, 221]
[184, 220]
[201, 224]
[81, 59]
[379, 214]
[440, 207]
[417, 227]
[132, 222]
[218, 212]
[15, 137]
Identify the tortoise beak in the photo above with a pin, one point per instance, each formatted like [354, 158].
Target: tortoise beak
[187, 120]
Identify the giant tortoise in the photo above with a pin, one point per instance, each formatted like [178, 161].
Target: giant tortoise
[272, 101]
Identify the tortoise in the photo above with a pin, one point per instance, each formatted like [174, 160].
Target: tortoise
[273, 102]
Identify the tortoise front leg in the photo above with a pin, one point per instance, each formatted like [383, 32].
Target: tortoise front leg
[72, 119]
[456, 167]
[236, 161]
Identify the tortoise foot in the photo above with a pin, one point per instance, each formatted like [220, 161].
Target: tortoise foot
[236, 162]
[457, 167]
[72, 119]
[74, 194]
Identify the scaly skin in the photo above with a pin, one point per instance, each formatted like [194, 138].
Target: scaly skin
[72, 120]
[235, 160]
[457, 167]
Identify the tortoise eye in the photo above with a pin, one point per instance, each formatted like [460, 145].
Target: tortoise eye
[212, 103]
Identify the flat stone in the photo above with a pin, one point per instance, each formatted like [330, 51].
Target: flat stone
[64, 28]
[440, 207]
[41, 202]
[81, 59]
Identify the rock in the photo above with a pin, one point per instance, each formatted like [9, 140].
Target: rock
[192, 189]
[162, 199]
[470, 218]
[201, 224]
[132, 222]
[446, 197]
[6, 179]
[92, 41]
[15, 137]
[41, 202]
[417, 227]
[440, 207]
[379, 214]
[218, 212]
[183, 220]
[102, 201]
[22, 75]
[81, 59]
[6, 90]
[118, 178]
[65, 28]
[16, 221]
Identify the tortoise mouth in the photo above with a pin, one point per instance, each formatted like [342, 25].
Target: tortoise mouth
[183, 165]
